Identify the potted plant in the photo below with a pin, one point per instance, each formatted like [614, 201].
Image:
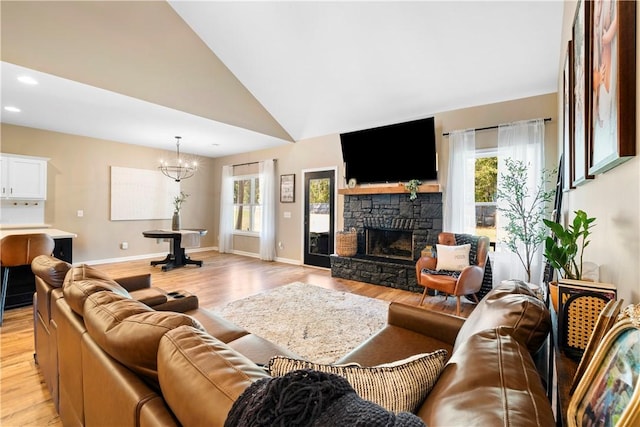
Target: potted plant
[524, 212]
[412, 186]
[177, 205]
[565, 251]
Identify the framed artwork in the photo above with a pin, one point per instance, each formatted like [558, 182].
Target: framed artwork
[287, 188]
[581, 96]
[567, 107]
[609, 392]
[613, 88]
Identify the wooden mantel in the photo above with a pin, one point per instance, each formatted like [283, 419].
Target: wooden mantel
[388, 189]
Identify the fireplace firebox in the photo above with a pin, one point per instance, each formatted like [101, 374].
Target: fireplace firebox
[389, 243]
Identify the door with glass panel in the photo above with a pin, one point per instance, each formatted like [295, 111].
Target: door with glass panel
[319, 204]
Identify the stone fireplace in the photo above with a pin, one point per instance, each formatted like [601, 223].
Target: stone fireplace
[392, 232]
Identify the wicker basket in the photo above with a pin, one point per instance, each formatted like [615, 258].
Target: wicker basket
[347, 242]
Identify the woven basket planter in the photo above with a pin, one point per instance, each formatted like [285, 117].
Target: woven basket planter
[347, 242]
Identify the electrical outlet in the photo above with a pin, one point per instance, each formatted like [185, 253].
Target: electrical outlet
[124, 245]
[80, 213]
[280, 245]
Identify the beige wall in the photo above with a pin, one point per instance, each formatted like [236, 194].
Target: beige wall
[78, 179]
[613, 198]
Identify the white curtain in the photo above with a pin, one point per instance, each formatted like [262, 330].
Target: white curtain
[520, 141]
[460, 209]
[225, 239]
[268, 220]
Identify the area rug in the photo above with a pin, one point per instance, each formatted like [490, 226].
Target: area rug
[318, 324]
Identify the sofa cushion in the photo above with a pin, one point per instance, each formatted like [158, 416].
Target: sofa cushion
[82, 281]
[510, 304]
[490, 380]
[50, 269]
[399, 386]
[129, 331]
[201, 377]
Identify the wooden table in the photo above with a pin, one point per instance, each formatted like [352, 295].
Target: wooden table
[177, 257]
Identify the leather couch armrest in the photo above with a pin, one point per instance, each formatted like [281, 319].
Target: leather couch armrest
[441, 326]
[425, 262]
[133, 283]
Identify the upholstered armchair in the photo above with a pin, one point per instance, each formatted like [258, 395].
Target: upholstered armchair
[459, 268]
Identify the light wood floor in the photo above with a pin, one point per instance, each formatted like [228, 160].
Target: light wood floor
[24, 399]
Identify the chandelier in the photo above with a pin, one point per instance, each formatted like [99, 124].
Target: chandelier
[180, 170]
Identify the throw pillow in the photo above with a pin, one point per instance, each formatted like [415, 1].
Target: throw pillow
[453, 258]
[399, 387]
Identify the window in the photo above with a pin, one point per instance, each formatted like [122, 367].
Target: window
[486, 185]
[247, 207]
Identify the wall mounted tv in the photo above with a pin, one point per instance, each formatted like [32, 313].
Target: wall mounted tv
[394, 153]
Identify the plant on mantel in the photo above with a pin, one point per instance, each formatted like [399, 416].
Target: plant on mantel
[524, 212]
[412, 186]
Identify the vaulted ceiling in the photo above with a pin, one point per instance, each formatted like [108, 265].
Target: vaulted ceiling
[232, 77]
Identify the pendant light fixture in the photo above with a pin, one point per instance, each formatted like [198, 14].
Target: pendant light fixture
[180, 170]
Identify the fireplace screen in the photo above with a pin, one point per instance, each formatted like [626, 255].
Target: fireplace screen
[389, 243]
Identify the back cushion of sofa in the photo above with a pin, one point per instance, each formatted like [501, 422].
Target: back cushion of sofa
[82, 281]
[201, 377]
[129, 331]
[510, 304]
[490, 381]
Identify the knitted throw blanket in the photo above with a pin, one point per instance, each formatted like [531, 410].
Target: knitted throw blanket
[310, 398]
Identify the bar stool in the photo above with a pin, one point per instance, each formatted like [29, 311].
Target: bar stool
[18, 250]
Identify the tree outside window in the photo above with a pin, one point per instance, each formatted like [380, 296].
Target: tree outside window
[486, 187]
[247, 206]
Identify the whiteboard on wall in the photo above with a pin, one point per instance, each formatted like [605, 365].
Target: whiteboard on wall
[141, 194]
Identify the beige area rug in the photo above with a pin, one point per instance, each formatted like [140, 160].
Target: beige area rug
[320, 325]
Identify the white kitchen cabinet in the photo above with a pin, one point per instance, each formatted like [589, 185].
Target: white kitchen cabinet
[23, 177]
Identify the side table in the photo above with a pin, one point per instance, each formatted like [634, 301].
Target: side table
[177, 257]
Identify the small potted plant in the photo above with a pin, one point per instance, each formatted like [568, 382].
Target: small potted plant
[412, 186]
[561, 251]
[565, 251]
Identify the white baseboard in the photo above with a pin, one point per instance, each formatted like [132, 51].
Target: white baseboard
[139, 257]
[164, 254]
[282, 260]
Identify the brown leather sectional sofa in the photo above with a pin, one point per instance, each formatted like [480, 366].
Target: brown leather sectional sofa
[110, 359]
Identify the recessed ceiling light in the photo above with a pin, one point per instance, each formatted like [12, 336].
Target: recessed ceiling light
[28, 80]
[12, 109]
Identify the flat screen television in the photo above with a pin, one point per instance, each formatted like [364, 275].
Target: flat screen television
[394, 153]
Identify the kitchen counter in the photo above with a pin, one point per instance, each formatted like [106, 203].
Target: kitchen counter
[53, 232]
[30, 225]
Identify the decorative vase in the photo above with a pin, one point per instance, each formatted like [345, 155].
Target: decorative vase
[175, 221]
